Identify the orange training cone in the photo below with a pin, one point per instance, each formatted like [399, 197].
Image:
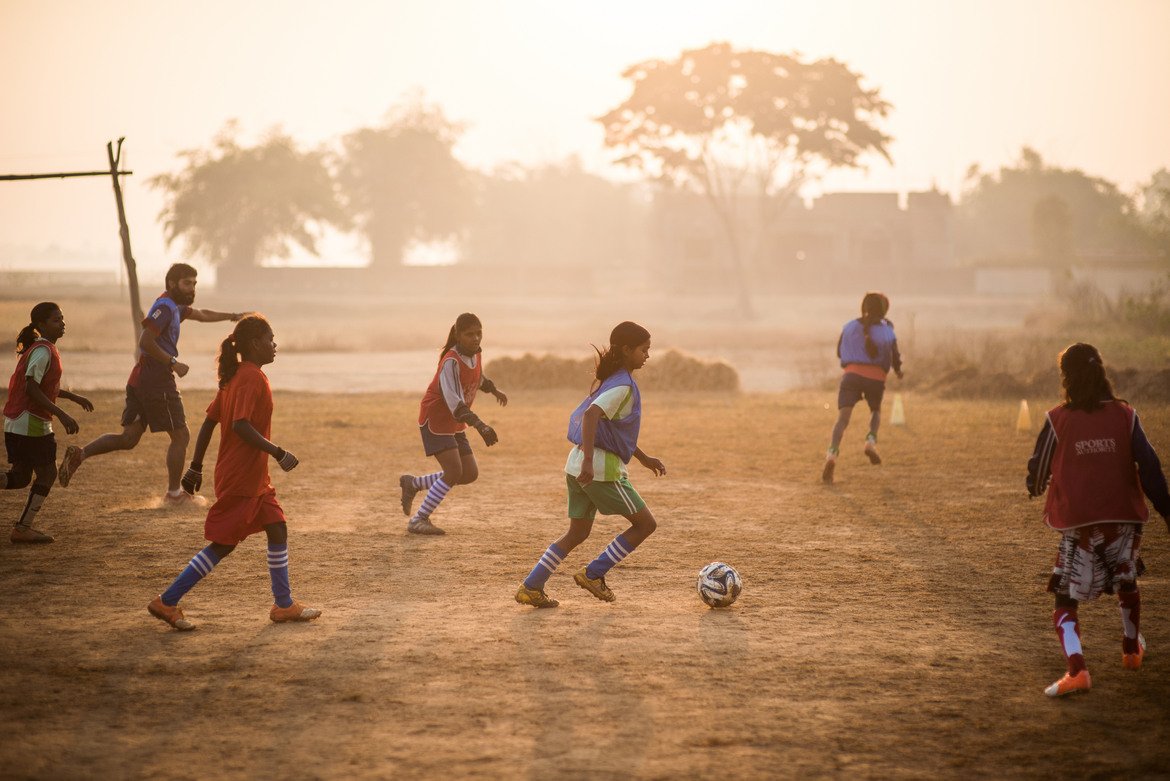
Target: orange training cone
[898, 413]
[1024, 420]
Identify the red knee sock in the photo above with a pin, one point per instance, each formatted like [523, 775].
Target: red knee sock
[1130, 603]
[1068, 632]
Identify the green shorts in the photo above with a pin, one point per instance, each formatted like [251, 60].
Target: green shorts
[615, 497]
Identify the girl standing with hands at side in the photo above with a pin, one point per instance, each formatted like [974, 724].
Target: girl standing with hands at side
[245, 501]
[868, 350]
[443, 416]
[604, 431]
[1086, 456]
[28, 416]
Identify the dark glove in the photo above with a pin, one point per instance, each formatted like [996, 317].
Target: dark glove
[287, 460]
[490, 437]
[192, 479]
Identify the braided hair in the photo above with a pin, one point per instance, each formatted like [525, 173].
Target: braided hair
[1083, 377]
[248, 328]
[624, 334]
[462, 323]
[39, 314]
[873, 310]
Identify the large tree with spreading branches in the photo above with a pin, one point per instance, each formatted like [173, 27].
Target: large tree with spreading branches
[239, 205]
[745, 129]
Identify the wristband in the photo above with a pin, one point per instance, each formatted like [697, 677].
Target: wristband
[279, 454]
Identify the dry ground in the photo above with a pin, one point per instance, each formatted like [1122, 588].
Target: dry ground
[892, 626]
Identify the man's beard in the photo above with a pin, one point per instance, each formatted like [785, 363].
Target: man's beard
[184, 299]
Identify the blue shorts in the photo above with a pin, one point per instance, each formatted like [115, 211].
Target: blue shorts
[437, 443]
[854, 388]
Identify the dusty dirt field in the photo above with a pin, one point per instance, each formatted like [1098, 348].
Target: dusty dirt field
[892, 626]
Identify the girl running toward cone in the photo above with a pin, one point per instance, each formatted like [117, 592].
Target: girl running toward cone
[868, 350]
[1085, 456]
[443, 416]
[28, 416]
[245, 501]
[604, 432]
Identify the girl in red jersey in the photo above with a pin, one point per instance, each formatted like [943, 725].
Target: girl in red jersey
[28, 415]
[1085, 457]
[443, 416]
[245, 501]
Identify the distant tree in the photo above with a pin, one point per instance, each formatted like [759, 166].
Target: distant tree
[1047, 211]
[742, 126]
[239, 205]
[402, 182]
[555, 214]
[1155, 210]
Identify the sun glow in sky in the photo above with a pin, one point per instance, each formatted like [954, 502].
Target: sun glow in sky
[971, 82]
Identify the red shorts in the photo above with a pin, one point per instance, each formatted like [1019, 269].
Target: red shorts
[233, 518]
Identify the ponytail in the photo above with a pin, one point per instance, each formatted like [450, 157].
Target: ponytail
[228, 362]
[625, 334]
[462, 323]
[29, 334]
[873, 310]
[1083, 377]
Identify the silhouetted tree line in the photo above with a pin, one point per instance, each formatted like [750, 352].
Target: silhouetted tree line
[742, 130]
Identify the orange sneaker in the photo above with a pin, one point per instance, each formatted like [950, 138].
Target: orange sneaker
[173, 615]
[1134, 661]
[69, 465]
[294, 612]
[27, 534]
[1070, 684]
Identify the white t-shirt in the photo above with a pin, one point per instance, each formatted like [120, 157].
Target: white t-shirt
[615, 404]
[26, 424]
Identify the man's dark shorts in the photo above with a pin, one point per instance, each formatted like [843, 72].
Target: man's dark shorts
[437, 443]
[30, 451]
[854, 388]
[161, 410]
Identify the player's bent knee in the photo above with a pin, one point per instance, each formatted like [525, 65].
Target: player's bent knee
[222, 550]
[19, 478]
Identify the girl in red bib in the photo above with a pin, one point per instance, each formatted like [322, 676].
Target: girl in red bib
[28, 415]
[443, 416]
[1098, 467]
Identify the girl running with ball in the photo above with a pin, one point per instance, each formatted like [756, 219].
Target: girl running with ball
[443, 416]
[868, 350]
[245, 501]
[1086, 456]
[604, 432]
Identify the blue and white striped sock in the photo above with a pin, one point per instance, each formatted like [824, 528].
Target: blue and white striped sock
[611, 556]
[278, 571]
[438, 490]
[545, 566]
[426, 481]
[200, 566]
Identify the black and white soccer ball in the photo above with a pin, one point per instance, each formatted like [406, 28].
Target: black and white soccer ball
[719, 584]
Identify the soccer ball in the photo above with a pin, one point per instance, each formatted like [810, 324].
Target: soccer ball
[719, 584]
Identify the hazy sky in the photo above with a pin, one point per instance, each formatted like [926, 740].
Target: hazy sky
[1084, 82]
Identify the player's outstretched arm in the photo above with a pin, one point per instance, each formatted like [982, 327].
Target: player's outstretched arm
[77, 399]
[463, 414]
[148, 343]
[34, 391]
[193, 478]
[650, 462]
[247, 432]
[212, 316]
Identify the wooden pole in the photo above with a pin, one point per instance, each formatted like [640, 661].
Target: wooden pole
[69, 175]
[124, 231]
